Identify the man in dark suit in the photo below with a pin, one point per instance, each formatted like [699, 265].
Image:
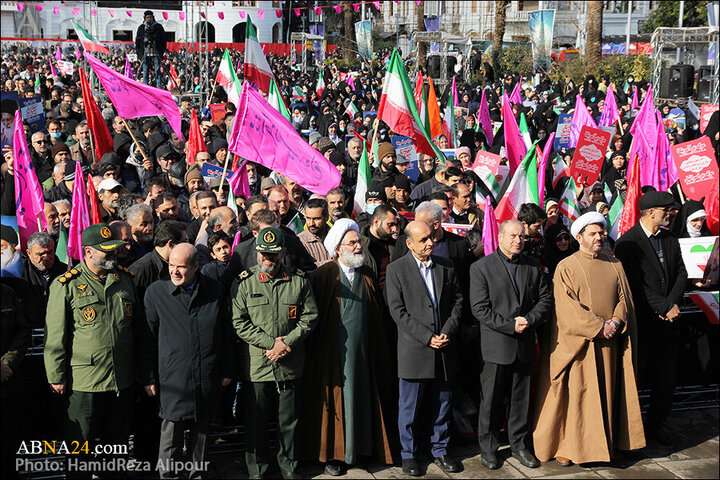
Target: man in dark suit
[653, 262]
[509, 296]
[425, 301]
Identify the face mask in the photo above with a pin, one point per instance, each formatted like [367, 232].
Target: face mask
[695, 127]
[56, 135]
[542, 136]
[370, 209]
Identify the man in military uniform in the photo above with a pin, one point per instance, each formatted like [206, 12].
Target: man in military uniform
[95, 342]
[273, 312]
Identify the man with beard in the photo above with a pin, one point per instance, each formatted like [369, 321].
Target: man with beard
[40, 155]
[378, 239]
[273, 312]
[142, 227]
[109, 191]
[11, 259]
[82, 150]
[121, 231]
[165, 206]
[205, 202]
[387, 156]
[53, 220]
[316, 227]
[347, 360]
[95, 342]
[64, 207]
[336, 205]
[221, 218]
[287, 211]
[296, 193]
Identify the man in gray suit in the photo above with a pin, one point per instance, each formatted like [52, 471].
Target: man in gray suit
[510, 297]
[425, 301]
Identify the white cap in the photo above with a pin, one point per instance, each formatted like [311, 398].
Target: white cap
[108, 184]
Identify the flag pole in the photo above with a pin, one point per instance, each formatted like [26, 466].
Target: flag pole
[137, 143]
[224, 172]
[211, 94]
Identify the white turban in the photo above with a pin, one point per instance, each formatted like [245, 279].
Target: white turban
[590, 218]
[336, 234]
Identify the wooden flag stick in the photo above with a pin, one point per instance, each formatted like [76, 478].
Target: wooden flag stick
[137, 143]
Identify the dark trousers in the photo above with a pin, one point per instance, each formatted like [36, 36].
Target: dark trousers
[263, 400]
[411, 393]
[498, 382]
[10, 406]
[658, 359]
[145, 426]
[172, 439]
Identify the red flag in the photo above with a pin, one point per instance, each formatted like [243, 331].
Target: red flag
[96, 122]
[174, 75]
[195, 142]
[711, 208]
[95, 216]
[419, 91]
[631, 210]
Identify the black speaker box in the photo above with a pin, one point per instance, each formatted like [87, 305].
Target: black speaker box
[704, 81]
[682, 81]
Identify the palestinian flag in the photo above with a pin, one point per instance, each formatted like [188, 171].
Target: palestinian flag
[523, 188]
[363, 180]
[569, 206]
[256, 68]
[320, 83]
[227, 79]
[277, 101]
[297, 224]
[351, 110]
[613, 216]
[708, 303]
[88, 41]
[561, 170]
[398, 109]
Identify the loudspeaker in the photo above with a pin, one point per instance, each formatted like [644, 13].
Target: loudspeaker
[664, 83]
[682, 81]
[433, 66]
[704, 81]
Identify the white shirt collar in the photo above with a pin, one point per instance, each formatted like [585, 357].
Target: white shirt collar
[420, 264]
[349, 272]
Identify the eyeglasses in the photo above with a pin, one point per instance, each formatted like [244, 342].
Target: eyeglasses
[351, 244]
[40, 142]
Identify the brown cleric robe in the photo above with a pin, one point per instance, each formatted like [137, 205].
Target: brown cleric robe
[587, 403]
[321, 423]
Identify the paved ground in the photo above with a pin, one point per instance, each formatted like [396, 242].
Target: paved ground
[695, 456]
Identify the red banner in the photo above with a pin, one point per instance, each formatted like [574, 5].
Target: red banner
[217, 113]
[590, 153]
[706, 112]
[696, 167]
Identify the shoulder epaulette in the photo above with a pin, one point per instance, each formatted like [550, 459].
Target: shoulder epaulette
[245, 274]
[125, 270]
[300, 273]
[68, 275]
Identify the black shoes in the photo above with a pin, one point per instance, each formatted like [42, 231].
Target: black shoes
[448, 464]
[526, 458]
[411, 467]
[490, 460]
[334, 468]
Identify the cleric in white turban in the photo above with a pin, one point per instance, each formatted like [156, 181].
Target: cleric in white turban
[590, 218]
[335, 236]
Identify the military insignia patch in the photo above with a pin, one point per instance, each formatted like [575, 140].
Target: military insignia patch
[128, 308]
[105, 232]
[88, 314]
[269, 237]
[262, 277]
[292, 312]
[81, 287]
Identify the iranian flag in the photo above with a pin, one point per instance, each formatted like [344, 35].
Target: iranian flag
[569, 202]
[525, 131]
[256, 68]
[561, 170]
[351, 110]
[489, 180]
[320, 83]
[297, 93]
[227, 78]
[88, 41]
[398, 109]
[522, 188]
[37, 86]
[296, 224]
[277, 101]
[448, 122]
[613, 226]
[363, 180]
[708, 303]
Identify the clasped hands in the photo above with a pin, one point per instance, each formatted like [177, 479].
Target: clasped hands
[439, 341]
[672, 314]
[610, 328]
[279, 350]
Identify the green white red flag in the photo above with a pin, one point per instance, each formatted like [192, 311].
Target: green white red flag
[449, 117]
[227, 78]
[88, 41]
[320, 83]
[522, 188]
[256, 68]
[363, 180]
[569, 205]
[277, 101]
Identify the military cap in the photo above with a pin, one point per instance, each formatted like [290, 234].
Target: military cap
[100, 238]
[270, 240]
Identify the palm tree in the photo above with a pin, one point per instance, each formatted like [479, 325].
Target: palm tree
[593, 47]
[420, 27]
[349, 33]
[500, 6]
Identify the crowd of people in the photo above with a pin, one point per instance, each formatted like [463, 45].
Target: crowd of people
[347, 330]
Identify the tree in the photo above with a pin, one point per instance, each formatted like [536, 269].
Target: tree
[349, 46]
[593, 48]
[665, 14]
[499, 32]
[422, 47]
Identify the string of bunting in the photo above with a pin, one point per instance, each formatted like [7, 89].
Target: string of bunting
[221, 15]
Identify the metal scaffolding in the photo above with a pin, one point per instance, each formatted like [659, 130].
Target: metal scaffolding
[303, 38]
[688, 41]
[444, 39]
[196, 46]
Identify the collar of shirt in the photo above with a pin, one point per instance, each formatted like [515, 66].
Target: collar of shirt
[423, 265]
[648, 233]
[349, 272]
[508, 259]
[189, 289]
[454, 210]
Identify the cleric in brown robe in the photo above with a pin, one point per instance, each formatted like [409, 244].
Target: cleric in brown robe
[587, 401]
[347, 357]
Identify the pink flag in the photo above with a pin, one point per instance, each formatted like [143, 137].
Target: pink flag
[58, 53]
[77, 53]
[297, 12]
[338, 8]
[644, 142]
[318, 10]
[515, 97]
[75, 12]
[490, 229]
[635, 101]
[610, 113]
[56, 10]
[128, 68]
[29, 203]
[261, 14]
[181, 15]
[278, 13]
[38, 8]
[515, 149]
[20, 7]
[356, 6]
[93, 12]
[165, 15]
[133, 99]
[129, 13]
[242, 14]
[110, 12]
[666, 168]
[377, 5]
[221, 15]
[581, 117]
[53, 72]
[542, 167]
[79, 215]
[262, 135]
[239, 182]
[351, 82]
[484, 119]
